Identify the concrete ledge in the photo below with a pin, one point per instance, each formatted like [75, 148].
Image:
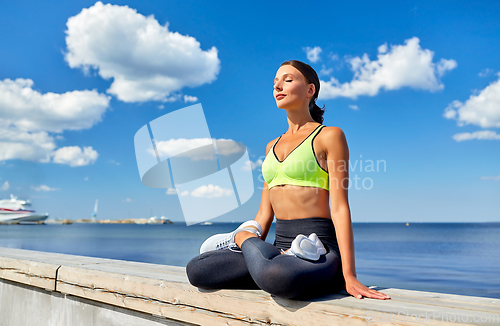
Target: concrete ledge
[164, 291]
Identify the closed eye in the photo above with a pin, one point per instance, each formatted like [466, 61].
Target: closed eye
[288, 80]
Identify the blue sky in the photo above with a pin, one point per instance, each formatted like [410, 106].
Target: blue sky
[412, 83]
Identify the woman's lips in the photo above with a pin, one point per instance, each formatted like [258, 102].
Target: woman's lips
[280, 96]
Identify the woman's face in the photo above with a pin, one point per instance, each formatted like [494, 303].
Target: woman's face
[291, 88]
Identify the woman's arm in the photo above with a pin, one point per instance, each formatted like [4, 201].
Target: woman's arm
[265, 215]
[337, 154]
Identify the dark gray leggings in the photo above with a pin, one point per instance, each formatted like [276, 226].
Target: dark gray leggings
[261, 264]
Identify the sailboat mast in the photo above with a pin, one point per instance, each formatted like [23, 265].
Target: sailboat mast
[94, 215]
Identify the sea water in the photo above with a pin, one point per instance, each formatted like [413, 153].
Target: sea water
[458, 258]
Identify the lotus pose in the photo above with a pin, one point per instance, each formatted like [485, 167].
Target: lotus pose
[306, 181]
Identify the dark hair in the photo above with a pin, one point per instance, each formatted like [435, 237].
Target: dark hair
[312, 78]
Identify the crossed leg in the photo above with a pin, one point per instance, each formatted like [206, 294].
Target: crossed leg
[261, 265]
[220, 269]
[289, 276]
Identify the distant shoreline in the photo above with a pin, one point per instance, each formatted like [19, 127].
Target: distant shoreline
[89, 221]
[167, 221]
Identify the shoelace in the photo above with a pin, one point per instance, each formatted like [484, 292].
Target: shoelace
[222, 244]
[225, 243]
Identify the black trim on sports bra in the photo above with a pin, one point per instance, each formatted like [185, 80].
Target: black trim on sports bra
[295, 147]
[312, 141]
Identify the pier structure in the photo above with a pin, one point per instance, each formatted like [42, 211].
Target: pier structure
[41, 288]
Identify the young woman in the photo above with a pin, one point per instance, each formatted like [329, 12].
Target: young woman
[306, 174]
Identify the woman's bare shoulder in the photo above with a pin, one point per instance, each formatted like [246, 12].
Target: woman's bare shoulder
[332, 132]
[331, 139]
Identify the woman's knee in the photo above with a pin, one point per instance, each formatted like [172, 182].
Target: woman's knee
[276, 279]
[282, 287]
[219, 269]
[192, 271]
[195, 272]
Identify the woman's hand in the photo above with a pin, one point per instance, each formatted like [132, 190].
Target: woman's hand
[358, 290]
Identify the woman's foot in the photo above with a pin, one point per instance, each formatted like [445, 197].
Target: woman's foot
[227, 240]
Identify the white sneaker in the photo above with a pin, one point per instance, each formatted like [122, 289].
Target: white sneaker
[314, 238]
[226, 240]
[306, 248]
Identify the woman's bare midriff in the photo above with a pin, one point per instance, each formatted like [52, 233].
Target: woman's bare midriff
[293, 202]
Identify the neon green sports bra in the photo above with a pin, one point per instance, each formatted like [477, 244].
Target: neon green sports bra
[299, 168]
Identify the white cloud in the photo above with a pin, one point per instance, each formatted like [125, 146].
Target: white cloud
[256, 164]
[313, 53]
[114, 162]
[444, 65]
[325, 71]
[86, 179]
[211, 191]
[146, 60]
[354, 107]
[6, 185]
[494, 178]
[127, 200]
[228, 147]
[485, 72]
[400, 66]
[334, 57]
[43, 188]
[24, 145]
[205, 191]
[28, 117]
[171, 191]
[29, 146]
[184, 147]
[179, 146]
[30, 110]
[481, 110]
[74, 156]
[249, 165]
[188, 98]
[483, 134]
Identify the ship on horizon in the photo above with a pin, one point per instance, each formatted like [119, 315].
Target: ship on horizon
[13, 211]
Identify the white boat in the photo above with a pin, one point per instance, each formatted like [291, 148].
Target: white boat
[13, 210]
[161, 220]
